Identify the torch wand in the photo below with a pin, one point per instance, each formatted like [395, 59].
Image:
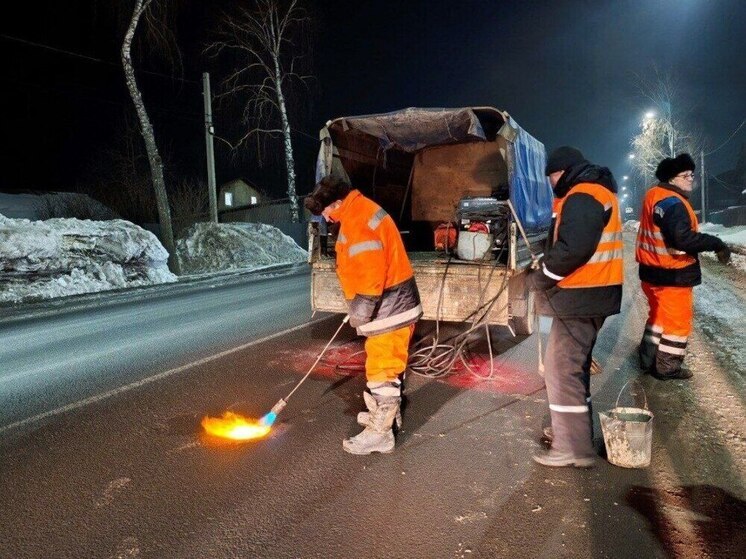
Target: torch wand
[271, 416]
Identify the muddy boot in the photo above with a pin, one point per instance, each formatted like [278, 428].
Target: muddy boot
[378, 435]
[391, 389]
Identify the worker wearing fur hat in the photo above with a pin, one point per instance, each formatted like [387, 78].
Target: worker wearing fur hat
[579, 284]
[668, 243]
[378, 283]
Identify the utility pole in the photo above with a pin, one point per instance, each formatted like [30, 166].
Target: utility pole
[209, 132]
[702, 182]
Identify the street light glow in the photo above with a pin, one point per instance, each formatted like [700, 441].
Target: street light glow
[631, 155]
[650, 114]
[625, 177]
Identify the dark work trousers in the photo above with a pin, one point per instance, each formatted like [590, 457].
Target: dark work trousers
[568, 376]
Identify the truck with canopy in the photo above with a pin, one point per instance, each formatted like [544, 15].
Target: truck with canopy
[466, 187]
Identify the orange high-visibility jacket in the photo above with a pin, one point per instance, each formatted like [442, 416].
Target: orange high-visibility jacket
[373, 268]
[606, 265]
[651, 248]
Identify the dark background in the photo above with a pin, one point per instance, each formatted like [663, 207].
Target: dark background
[566, 71]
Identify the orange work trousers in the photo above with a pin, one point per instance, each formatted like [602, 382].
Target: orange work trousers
[668, 328]
[386, 354]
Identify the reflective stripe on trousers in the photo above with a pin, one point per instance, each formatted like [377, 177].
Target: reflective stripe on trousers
[568, 377]
[669, 325]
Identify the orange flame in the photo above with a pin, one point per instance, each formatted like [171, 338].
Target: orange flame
[234, 426]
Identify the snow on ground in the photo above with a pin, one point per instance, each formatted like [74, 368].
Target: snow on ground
[59, 257]
[734, 237]
[211, 247]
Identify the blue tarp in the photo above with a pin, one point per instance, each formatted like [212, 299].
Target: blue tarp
[530, 191]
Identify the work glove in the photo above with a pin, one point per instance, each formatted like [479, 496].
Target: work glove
[723, 254]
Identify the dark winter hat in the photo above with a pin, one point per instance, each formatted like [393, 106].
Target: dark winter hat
[669, 168]
[328, 191]
[562, 159]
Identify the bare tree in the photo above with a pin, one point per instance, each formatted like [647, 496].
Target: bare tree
[270, 43]
[666, 130]
[142, 9]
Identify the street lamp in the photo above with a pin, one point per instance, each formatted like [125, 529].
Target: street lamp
[649, 115]
[631, 155]
[625, 177]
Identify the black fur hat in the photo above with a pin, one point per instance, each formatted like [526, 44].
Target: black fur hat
[670, 167]
[328, 191]
[562, 159]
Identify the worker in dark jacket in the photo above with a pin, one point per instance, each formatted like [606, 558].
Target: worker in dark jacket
[579, 281]
[667, 246]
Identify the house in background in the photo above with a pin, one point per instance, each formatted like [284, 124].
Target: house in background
[238, 193]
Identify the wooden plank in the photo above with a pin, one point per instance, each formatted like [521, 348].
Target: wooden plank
[445, 174]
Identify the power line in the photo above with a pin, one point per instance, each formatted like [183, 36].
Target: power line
[90, 58]
[729, 138]
[183, 115]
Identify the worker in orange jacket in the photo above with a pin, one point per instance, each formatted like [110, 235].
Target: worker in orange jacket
[668, 242]
[378, 283]
[579, 284]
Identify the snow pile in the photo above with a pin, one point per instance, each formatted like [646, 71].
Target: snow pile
[631, 225]
[734, 237]
[212, 247]
[58, 257]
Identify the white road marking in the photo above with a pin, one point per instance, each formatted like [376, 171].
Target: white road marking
[156, 377]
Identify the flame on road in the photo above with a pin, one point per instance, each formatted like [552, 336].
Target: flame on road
[235, 426]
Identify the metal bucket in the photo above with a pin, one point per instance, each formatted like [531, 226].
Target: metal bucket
[628, 434]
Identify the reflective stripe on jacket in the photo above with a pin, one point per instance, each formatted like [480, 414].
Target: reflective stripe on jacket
[606, 265]
[651, 248]
[373, 268]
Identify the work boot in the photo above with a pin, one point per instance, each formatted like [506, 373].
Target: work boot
[556, 459]
[679, 374]
[363, 418]
[378, 435]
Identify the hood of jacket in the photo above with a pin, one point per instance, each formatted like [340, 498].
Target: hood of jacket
[585, 172]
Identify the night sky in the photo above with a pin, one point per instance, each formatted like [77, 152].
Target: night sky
[564, 70]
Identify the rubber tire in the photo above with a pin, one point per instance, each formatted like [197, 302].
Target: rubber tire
[524, 325]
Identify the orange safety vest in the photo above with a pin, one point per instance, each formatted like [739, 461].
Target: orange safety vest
[606, 266]
[651, 249]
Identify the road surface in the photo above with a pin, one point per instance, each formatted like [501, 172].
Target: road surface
[131, 475]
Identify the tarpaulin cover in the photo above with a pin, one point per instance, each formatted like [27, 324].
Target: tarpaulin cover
[413, 129]
[530, 191]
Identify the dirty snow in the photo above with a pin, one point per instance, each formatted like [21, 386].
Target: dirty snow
[59, 257]
[734, 237]
[211, 247]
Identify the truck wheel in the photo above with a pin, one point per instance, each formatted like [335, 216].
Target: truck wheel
[523, 325]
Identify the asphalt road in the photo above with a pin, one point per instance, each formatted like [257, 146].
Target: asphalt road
[132, 475]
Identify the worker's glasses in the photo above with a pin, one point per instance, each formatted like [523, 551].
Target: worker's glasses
[688, 176]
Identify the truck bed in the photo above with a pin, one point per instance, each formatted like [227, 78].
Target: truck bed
[450, 289]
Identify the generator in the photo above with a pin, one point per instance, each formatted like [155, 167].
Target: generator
[483, 225]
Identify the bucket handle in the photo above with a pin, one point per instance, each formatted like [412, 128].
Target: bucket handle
[644, 395]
